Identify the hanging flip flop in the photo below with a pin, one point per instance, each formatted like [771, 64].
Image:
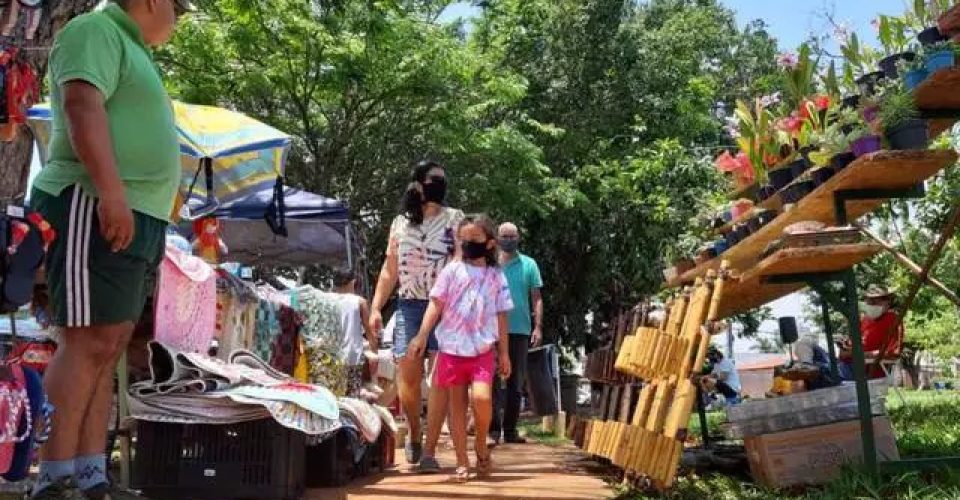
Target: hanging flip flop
[21, 267]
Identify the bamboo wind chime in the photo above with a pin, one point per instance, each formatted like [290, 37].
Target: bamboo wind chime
[650, 443]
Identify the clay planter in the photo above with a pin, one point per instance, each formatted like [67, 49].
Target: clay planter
[865, 145]
[840, 161]
[931, 36]
[939, 60]
[798, 167]
[868, 83]
[889, 64]
[780, 177]
[912, 79]
[910, 135]
[821, 175]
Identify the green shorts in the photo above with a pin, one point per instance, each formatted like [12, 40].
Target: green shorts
[89, 285]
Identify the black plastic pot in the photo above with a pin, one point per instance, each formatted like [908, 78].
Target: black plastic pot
[931, 36]
[717, 223]
[909, 135]
[732, 239]
[742, 231]
[765, 217]
[766, 191]
[889, 64]
[753, 224]
[799, 166]
[840, 161]
[821, 175]
[851, 102]
[796, 191]
[780, 177]
[868, 83]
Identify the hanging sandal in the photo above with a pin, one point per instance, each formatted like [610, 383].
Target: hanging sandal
[484, 466]
[462, 475]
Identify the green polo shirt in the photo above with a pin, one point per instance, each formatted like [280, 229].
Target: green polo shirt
[523, 277]
[106, 49]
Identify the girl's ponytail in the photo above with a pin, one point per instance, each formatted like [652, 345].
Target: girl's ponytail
[412, 204]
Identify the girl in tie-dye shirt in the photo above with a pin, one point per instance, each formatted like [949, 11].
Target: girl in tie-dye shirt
[470, 301]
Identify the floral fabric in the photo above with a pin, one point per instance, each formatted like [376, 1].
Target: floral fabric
[185, 311]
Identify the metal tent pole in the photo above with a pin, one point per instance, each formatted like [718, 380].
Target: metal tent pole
[828, 331]
[860, 373]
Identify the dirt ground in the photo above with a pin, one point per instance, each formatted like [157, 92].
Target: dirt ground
[521, 472]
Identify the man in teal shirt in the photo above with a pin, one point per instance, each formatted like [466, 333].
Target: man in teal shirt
[525, 322]
[108, 191]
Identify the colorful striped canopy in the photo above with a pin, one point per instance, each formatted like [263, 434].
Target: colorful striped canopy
[247, 155]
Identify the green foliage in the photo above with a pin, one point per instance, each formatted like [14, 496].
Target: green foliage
[928, 425]
[897, 108]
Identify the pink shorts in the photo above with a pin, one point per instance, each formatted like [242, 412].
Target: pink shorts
[454, 371]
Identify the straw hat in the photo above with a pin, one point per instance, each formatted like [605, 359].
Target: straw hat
[878, 292]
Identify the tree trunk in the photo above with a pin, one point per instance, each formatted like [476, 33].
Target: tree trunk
[15, 156]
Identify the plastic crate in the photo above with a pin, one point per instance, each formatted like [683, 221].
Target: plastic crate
[331, 463]
[259, 460]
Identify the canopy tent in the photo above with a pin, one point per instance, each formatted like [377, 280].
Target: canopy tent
[317, 229]
[244, 156]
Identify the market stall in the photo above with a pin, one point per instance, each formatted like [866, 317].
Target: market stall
[803, 179]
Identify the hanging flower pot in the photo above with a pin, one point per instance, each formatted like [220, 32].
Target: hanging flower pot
[868, 83]
[931, 36]
[940, 59]
[889, 64]
[798, 167]
[866, 144]
[911, 134]
[913, 78]
[821, 175]
[840, 161]
[780, 177]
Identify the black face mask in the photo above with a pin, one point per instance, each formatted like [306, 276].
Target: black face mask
[473, 249]
[436, 191]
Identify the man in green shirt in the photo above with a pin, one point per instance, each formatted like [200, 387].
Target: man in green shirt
[525, 321]
[108, 191]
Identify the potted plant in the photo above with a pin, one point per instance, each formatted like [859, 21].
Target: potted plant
[901, 121]
[939, 56]
[923, 18]
[863, 141]
[893, 36]
[915, 72]
[859, 63]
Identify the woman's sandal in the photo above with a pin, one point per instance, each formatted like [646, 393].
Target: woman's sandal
[484, 466]
[462, 474]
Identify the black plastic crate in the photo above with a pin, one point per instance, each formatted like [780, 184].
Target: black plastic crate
[259, 460]
[331, 463]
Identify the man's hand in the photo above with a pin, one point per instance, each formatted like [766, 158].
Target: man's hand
[537, 337]
[376, 321]
[116, 221]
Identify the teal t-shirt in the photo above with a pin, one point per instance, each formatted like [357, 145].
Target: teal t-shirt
[106, 49]
[523, 276]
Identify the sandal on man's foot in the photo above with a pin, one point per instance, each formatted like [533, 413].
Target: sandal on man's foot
[428, 465]
[462, 474]
[413, 452]
[484, 466]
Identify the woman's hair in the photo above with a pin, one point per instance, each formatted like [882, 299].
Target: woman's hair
[412, 203]
[489, 228]
[343, 277]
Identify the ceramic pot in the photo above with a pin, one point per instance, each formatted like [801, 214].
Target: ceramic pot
[939, 60]
[912, 79]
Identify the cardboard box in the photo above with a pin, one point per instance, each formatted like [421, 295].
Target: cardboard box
[814, 455]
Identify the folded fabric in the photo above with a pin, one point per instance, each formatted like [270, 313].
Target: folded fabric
[389, 422]
[364, 415]
[314, 398]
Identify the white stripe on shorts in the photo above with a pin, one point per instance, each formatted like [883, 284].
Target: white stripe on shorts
[78, 255]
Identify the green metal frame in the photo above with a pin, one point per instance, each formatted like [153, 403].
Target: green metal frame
[848, 304]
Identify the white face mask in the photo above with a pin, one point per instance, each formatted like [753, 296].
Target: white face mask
[873, 311]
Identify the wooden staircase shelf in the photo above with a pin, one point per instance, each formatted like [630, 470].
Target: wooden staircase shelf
[939, 94]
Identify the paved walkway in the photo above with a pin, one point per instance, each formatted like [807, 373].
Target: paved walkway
[521, 472]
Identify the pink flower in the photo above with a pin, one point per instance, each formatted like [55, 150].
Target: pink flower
[791, 124]
[787, 60]
[726, 162]
[822, 102]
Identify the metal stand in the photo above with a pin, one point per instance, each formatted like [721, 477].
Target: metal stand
[702, 413]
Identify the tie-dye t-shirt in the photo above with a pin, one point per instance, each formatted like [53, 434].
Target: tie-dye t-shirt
[472, 296]
[423, 250]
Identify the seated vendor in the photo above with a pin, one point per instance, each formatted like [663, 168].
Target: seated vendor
[721, 377]
[880, 329]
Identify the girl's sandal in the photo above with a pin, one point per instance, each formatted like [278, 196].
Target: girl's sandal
[484, 466]
[462, 475]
